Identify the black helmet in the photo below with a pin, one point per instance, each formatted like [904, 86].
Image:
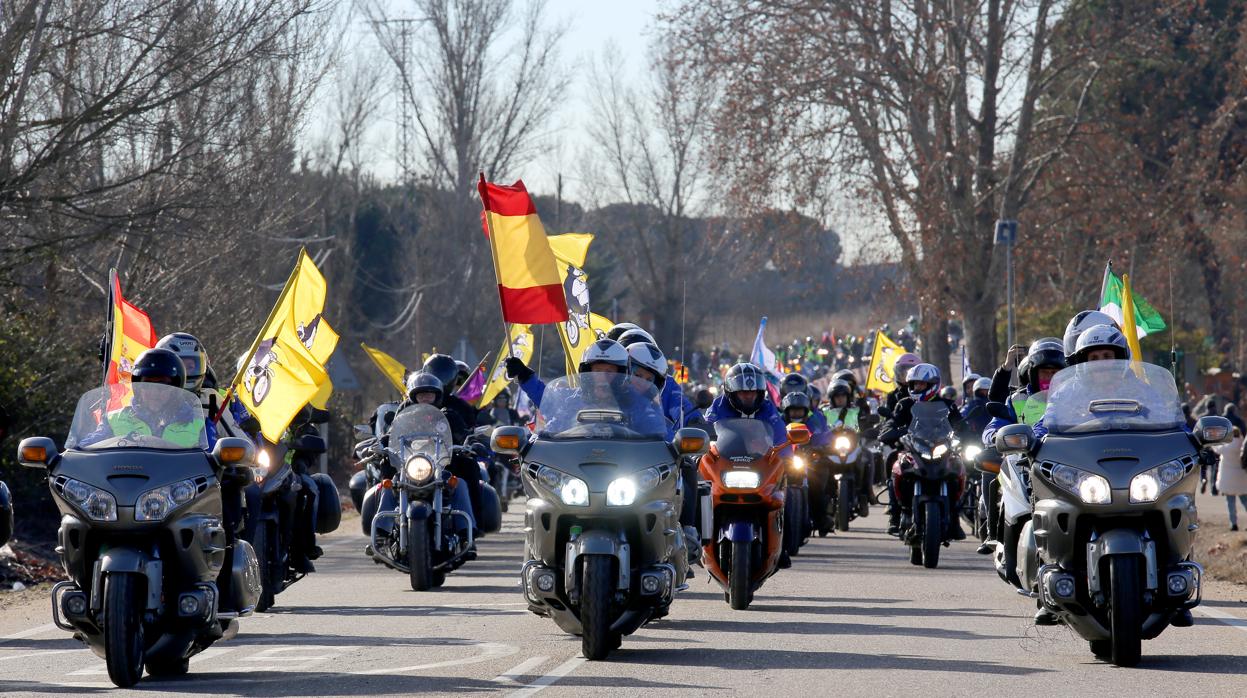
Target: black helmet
[702, 399]
[744, 376]
[465, 371]
[1048, 352]
[840, 387]
[425, 382]
[797, 400]
[159, 366]
[619, 328]
[845, 375]
[444, 367]
[794, 382]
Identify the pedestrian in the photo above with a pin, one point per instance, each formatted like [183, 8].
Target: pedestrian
[1232, 476]
[1230, 412]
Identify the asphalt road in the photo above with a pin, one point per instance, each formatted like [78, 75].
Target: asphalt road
[852, 617]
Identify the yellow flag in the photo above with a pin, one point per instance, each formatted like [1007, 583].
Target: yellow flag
[388, 366]
[880, 376]
[285, 367]
[571, 248]
[522, 346]
[582, 327]
[1129, 327]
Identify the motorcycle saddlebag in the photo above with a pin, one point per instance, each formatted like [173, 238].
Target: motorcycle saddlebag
[328, 505]
[489, 519]
[358, 485]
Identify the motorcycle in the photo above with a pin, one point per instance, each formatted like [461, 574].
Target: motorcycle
[156, 574]
[415, 529]
[501, 471]
[748, 487]
[929, 465]
[987, 465]
[797, 526]
[369, 456]
[6, 514]
[285, 498]
[1108, 547]
[605, 551]
[849, 465]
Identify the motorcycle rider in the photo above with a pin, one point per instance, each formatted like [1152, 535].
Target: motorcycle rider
[198, 371]
[1096, 343]
[675, 405]
[974, 408]
[820, 434]
[1043, 359]
[424, 388]
[500, 412]
[967, 388]
[922, 385]
[857, 396]
[447, 371]
[146, 413]
[900, 369]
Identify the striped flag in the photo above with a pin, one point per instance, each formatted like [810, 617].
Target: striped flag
[130, 333]
[529, 287]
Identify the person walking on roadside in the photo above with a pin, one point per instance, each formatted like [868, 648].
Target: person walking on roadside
[1232, 475]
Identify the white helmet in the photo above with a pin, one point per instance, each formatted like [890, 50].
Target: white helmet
[1100, 337]
[982, 384]
[606, 351]
[924, 373]
[649, 357]
[193, 355]
[1081, 323]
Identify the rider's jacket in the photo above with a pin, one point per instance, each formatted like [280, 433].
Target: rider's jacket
[842, 417]
[639, 411]
[674, 403]
[1022, 410]
[975, 414]
[184, 430]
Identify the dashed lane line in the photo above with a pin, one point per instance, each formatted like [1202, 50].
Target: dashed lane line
[549, 679]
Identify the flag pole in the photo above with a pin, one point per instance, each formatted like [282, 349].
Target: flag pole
[479, 367]
[483, 188]
[109, 325]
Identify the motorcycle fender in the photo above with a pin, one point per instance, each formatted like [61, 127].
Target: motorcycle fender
[1119, 541]
[598, 543]
[1013, 493]
[739, 532]
[419, 511]
[132, 561]
[1028, 556]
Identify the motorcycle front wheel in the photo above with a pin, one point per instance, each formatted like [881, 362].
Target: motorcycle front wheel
[932, 534]
[1125, 610]
[123, 629]
[846, 500]
[596, 591]
[419, 555]
[739, 593]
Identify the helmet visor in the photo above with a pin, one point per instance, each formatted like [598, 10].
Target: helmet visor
[194, 364]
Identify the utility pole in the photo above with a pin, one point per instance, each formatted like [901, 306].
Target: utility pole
[406, 105]
[1007, 235]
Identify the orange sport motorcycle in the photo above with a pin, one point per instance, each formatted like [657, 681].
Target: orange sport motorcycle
[747, 480]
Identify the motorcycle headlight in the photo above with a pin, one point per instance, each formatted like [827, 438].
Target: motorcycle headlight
[97, 504]
[1090, 488]
[1147, 485]
[621, 492]
[939, 451]
[798, 463]
[843, 444]
[155, 505]
[419, 469]
[571, 490]
[263, 460]
[971, 452]
[741, 479]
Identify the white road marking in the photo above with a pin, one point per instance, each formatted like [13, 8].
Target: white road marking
[512, 675]
[490, 650]
[30, 632]
[210, 653]
[1228, 618]
[549, 679]
[41, 653]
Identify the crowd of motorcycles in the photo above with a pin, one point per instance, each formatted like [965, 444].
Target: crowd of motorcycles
[166, 545]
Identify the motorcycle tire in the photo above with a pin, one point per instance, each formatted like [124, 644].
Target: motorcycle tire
[932, 535]
[168, 668]
[1125, 610]
[1102, 649]
[419, 555]
[844, 505]
[792, 524]
[124, 647]
[597, 588]
[266, 545]
[739, 593]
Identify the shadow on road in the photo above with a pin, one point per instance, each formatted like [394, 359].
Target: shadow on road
[755, 660]
[831, 630]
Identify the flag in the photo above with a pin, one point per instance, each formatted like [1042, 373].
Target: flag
[762, 356]
[130, 333]
[528, 278]
[582, 327]
[880, 375]
[965, 364]
[519, 344]
[389, 367]
[474, 387]
[1146, 320]
[1128, 328]
[285, 366]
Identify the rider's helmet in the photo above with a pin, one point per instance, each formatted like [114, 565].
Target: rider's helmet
[703, 398]
[644, 355]
[794, 383]
[840, 387]
[465, 372]
[444, 367]
[1101, 337]
[845, 375]
[949, 393]
[741, 377]
[425, 382]
[984, 385]
[795, 406]
[904, 362]
[619, 328]
[816, 396]
[193, 355]
[1081, 323]
[969, 378]
[606, 351]
[1048, 352]
[634, 336]
[159, 366]
[923, 373]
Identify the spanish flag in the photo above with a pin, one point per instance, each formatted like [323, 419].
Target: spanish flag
[285, 367]
[130, 333]
[528, 278]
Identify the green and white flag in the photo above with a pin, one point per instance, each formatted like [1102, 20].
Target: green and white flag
[1146, 319]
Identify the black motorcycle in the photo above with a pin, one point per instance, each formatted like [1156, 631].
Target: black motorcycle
[146, 536]
[932, 468]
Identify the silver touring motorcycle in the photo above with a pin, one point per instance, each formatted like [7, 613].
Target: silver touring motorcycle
[1108, 547]
[155, 574]
[606, 553]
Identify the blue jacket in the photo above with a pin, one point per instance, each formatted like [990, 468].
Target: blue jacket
[675, 405]
[820, 431]
[975, 414]
[639, 411]
[769, 413]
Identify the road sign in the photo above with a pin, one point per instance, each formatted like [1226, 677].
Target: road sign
[1006, 232]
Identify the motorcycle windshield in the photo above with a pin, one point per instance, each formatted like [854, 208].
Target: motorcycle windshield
[141, 415]
[744, 439]
[929, 423]
[1113, 396]
[601, 406]
[423, 430]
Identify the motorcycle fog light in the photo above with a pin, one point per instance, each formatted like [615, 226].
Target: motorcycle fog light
[650, 584]
[621, 492]
[575, 492]
[544, 581]
[188, 605]
[1178, 585]
[1064, 587]
[740, 479]
[76, 604]
[1144, 488]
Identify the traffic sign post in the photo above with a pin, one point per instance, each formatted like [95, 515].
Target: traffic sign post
[1007, 235]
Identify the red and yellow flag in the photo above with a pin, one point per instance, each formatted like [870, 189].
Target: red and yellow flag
[130, 334]
[529, 287]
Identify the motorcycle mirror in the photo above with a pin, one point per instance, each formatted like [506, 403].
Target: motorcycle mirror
[363, 431]
[1015, 438]
[36, 452]
[507, 440]
[308, 443]
[998, 409]
[798, 434]
[318, 416]
[232, 450]
[885, 411]
[1209, 430]
[691, 441]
